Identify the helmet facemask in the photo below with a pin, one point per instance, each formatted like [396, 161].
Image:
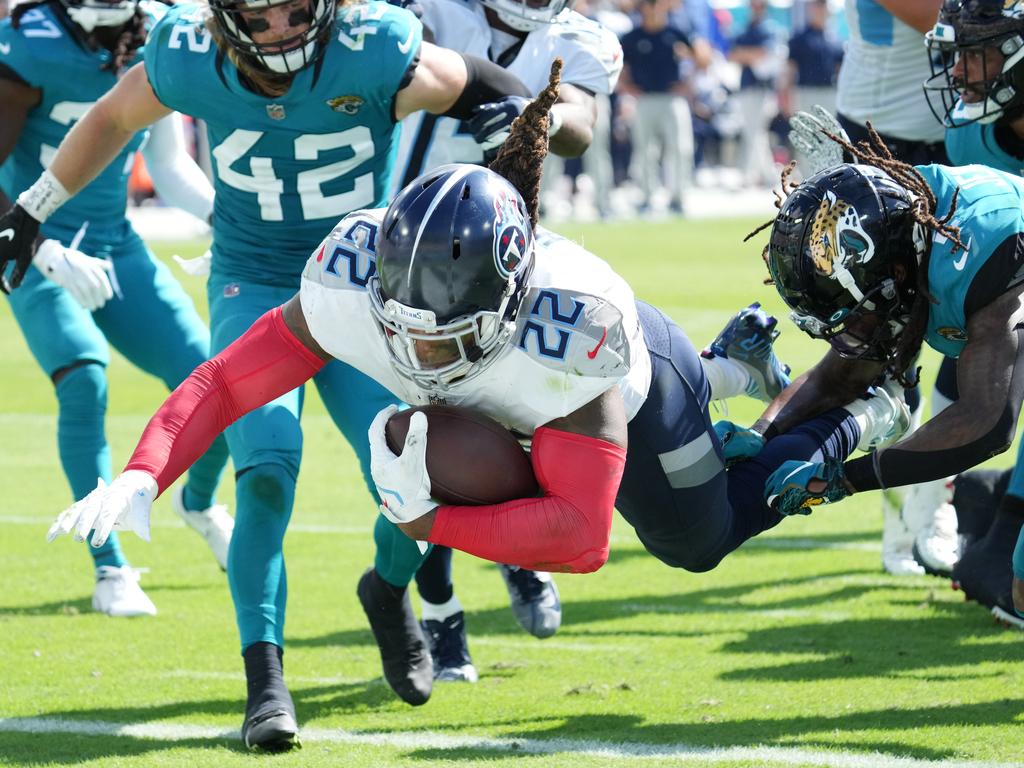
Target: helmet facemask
[985, 43]
[240, 20]
[473, 340]
[527, 15]
[92, 14]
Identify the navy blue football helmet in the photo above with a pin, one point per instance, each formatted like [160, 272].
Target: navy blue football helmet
[453, 259]
[833, 255]
[977, 55]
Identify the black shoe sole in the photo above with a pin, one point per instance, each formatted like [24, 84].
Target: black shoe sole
[273, 732]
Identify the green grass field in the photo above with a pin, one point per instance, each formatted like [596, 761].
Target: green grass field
[798, 650]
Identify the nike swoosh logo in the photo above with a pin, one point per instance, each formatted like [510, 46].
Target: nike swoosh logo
[5, 48]
[593, 353]
[7, 234]
[960, 263]
[407, 45]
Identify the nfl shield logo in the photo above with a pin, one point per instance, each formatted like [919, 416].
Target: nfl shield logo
[275, 111]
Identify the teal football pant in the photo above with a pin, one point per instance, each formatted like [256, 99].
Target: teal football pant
[150, 320]
[266, 448]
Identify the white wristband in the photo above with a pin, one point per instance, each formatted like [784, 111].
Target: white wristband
[554, 123]
[44, 197]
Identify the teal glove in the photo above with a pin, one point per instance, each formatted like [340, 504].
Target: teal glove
[738, 443]
[786, 489]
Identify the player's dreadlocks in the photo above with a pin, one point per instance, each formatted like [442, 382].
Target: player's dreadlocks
[128, 42]
[874, 152]
[521, 157]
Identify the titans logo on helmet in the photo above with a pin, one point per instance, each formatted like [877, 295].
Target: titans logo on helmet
[510, 235]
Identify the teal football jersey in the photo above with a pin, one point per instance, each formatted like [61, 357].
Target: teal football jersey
[45, 54]
[988, 212]
[287, 168]
[976, 143]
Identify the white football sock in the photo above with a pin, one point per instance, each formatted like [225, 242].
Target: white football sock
[435, 612]
[726, 377]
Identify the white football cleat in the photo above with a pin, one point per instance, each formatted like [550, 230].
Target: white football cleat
[897, 540]
[883, 416]
[930, 516]
[118, 593]
[213, 523]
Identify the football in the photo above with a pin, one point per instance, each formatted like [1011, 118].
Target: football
[471, 458]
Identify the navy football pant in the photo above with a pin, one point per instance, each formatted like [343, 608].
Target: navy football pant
[687, 509]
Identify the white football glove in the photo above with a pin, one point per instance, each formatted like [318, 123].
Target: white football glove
[807, 137]
[124, 504]
[402, 481]
[86, 278]
[197, 267]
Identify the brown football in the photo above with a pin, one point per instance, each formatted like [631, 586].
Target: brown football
[471, 458]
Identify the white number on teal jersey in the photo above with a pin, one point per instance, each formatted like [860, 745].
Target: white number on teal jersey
[268, 189]
[45, 28]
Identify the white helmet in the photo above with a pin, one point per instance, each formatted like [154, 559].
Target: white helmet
[527, 15]
[89, 14]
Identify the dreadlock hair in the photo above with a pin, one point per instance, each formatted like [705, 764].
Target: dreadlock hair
[874, 152]
[521, 157]
[128, 42]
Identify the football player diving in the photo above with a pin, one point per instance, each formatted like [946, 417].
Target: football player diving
[452, 294]
[878, 258]
[94, 281]
[523, 37]
[301, 99]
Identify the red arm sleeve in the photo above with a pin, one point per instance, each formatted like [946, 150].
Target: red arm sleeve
[566, 529]
[264, 363]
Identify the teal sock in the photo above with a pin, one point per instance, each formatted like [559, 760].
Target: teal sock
[398, 558]
[264, 495]
[204, 476]
[82, 443]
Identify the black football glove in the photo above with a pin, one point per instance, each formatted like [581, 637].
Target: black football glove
[18, 233]
[491, 122]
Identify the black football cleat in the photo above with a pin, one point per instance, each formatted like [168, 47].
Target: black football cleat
[270, 724]
[449, 649]
[404, 655]
[985, 574]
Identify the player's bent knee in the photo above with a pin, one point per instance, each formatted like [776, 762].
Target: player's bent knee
[270, 486]
[81, 388]
[677, 552]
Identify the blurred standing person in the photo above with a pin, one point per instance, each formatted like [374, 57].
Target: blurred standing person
[880, 78]
[813, 66]
[757, 50]
[652, 55]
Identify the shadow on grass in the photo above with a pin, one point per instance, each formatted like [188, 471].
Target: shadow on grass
[811, 732]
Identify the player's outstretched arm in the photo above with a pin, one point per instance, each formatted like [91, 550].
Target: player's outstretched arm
[267, 361]
[450, 83]
[578, 461]
[980, 424]
[177, 177]
[832, 383]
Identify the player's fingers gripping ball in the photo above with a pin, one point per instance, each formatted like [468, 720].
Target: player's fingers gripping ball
[403, 484]
[798, 486]
[738, 443]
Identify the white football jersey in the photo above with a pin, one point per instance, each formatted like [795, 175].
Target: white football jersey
[577, 333]
[882, 74]
[591, 54]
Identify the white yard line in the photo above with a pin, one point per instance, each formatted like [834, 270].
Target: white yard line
[681, 753]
